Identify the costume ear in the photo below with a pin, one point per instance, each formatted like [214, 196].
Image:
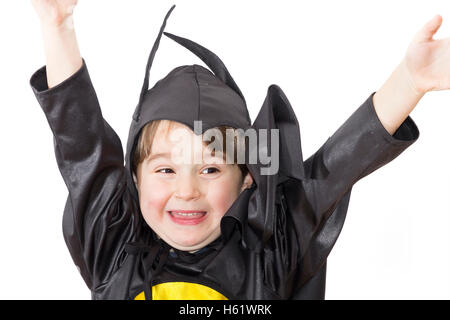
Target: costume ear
[276, 113]
[211, 60]
[149, 64]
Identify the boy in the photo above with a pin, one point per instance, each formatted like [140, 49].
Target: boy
[160, 229]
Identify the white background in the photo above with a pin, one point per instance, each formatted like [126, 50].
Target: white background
[327, 56]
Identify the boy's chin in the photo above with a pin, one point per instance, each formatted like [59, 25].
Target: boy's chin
[191, 244]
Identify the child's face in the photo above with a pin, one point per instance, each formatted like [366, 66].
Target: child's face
[206, 189]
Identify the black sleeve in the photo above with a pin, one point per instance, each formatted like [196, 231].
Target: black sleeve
[360, 146]
[319, 203]
[89, 155]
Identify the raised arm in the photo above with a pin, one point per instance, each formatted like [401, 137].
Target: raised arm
[99, 217]
[376, 133]
[62, 54]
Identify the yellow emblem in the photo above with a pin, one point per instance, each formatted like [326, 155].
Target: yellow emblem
[182, 291]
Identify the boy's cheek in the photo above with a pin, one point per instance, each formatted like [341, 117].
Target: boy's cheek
[154, 202]
[154, 197]
[222, 197]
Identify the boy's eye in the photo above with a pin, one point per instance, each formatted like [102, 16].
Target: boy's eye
[212, 170]
[165, 169]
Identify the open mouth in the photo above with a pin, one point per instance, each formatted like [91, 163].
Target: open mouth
[187, 217]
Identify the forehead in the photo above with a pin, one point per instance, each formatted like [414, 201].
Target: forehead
[171, 136]
[169, 133]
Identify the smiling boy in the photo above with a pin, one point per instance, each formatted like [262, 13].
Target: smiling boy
[156, 228]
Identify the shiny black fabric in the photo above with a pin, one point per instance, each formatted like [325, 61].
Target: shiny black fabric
[275, 237]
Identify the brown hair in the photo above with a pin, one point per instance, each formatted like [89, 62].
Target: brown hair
[147, 135]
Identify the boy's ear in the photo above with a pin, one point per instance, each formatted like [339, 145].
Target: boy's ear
[248, 181]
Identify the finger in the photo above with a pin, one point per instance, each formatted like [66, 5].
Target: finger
[429, 29]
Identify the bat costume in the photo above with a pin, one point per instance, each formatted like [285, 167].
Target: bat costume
[276, 236]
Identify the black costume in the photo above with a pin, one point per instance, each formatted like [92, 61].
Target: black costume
[275, 237]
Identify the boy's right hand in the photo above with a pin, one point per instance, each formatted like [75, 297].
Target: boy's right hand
[54, 12]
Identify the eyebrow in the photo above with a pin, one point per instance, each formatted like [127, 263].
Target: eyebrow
[159, 155]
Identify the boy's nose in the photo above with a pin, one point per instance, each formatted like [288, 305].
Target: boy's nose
[187, 189]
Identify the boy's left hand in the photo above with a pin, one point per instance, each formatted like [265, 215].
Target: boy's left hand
[427, 60]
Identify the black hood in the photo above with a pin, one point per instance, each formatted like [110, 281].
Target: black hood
[194, 93]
